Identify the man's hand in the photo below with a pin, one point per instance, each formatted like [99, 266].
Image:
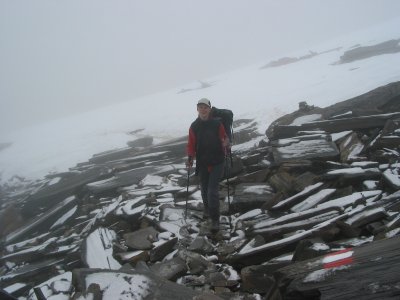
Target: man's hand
[227, 146]
[226, 143]
[189, 162]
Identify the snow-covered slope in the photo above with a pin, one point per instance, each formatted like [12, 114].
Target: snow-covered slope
[252, 92]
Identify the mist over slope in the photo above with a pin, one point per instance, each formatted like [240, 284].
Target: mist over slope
[264, 91]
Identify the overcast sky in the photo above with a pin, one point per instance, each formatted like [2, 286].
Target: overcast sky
[59, 57]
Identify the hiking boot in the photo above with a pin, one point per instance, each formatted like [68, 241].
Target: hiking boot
[214, 226]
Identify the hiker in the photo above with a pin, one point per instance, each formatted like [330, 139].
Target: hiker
[208, 143]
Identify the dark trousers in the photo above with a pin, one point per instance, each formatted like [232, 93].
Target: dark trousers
[209, 183]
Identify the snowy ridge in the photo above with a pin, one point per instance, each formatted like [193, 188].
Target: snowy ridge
[254, 92]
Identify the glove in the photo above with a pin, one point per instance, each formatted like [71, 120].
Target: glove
[226, 145]
[189, 162]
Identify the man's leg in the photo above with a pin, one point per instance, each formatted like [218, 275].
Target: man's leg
[204, 178]
[213, 194]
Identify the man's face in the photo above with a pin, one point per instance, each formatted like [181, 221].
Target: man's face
[204, 111]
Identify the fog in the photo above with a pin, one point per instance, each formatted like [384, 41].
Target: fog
[63, 57]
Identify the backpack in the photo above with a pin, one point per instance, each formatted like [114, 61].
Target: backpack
[226, 118]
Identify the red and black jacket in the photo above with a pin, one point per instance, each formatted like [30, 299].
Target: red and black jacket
[206, 142]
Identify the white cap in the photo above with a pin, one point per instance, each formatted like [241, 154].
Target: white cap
[204, 101]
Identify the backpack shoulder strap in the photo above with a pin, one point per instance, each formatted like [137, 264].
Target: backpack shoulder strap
[226, 118]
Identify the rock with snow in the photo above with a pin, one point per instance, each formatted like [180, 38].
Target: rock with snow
[271, 233]
[35, 223]
[162, 248]
[133, 257]
[348, 272]
[283, 182]
[10, 219]
[100, 242]
[196, 263]
[121, 179]
[304, 147]
[131, 284]
[313, 200]
[366, 216]
[253, 177]
[170, 269]
[39, 270]
[255, 279]
[141, 239]
[62, 189]
[337, 125]
[310, 248]
[297, 198]
[351, 149]
[201, 245]
[392, 178]
[250, 196]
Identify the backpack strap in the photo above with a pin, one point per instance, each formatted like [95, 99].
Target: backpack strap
[226, 118]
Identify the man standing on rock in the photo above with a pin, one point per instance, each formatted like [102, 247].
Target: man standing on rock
[207, 143]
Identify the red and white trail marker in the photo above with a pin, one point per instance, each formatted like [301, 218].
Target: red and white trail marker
[339, 258]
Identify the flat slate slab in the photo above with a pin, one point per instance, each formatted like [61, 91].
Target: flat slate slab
[298, 149]
[51, 194]
[338, 125]
[141, 239]
[41, 220]
[27, 271]
[250, 196]
[347, 274]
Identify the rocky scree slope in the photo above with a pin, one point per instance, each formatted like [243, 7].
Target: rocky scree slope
[311, 204]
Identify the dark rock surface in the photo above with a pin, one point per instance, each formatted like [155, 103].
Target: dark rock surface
[338, 275]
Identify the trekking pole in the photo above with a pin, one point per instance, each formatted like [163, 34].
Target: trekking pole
[230, 156]
[187, 192]
[229, 202]
[230, 148]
